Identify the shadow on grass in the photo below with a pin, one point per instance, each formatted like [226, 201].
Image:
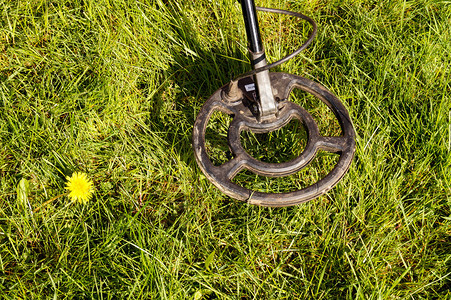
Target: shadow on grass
[197, 70]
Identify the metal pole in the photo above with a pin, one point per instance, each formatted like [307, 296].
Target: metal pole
[267, 104]
[251, 24]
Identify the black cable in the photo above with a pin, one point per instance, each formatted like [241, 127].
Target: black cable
[290, 56]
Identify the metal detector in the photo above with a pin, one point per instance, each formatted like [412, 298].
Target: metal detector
[258, 102]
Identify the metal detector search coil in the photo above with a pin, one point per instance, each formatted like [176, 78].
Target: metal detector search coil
[265, 110]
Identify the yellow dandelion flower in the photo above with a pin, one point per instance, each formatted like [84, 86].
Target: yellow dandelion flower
[80, 187]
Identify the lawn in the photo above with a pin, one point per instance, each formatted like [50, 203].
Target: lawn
[111, 88]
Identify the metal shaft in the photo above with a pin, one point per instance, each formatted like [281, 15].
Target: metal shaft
[251, 24]
[267, 104]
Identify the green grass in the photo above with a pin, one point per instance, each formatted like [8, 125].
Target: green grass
[112, 88]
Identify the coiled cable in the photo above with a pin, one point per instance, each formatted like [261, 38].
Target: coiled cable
[289, 56]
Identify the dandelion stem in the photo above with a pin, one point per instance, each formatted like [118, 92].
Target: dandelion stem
[48, 201]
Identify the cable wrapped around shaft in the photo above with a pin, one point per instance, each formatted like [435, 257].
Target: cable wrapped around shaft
[290, 56]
